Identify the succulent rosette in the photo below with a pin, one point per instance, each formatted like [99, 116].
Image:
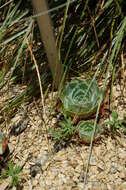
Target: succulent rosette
[80, 98]
[85, 129]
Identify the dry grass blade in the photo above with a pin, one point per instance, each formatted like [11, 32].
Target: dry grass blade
[39, 79]
[41, 91]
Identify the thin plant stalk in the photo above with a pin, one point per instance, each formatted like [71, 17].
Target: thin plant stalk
[113, 56]
[41, 90]
[111, 89]
[58, 60]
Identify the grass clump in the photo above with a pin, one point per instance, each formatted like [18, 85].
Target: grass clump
[65, 130]
[13, 172]
[115, 123]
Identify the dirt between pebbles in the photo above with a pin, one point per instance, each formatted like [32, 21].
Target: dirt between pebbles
[65, 169]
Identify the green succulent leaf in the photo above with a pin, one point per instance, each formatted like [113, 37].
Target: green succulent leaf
[114, 115]
[86, 129]
[80, 97]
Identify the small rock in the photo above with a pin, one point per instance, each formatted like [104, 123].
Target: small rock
[48, 182]
[43, 158]
[122, 153]
[13, 139]
[123, 186]
[110, 146]
[81, 186]
[100, 166]
[37, 176]
[62, 178]
[110, 187]
[78, 169]
[54, 120]
[35, 169]
[114, 168]
[30, 135]
[113, 159]
[93, 161]
[122, 175]
[75, 178]
[34, 182]
[19, 127]
[42, 182]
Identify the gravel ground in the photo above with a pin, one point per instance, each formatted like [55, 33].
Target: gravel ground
[65, 170]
